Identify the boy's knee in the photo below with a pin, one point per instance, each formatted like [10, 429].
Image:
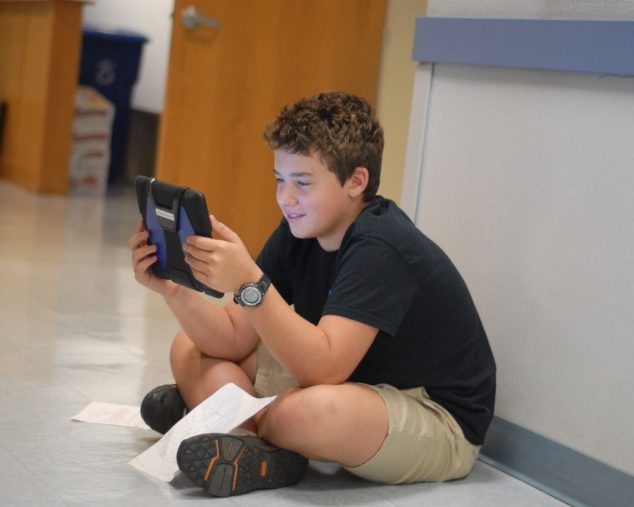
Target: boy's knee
[181, 346]
[184, 348]
[298, 409]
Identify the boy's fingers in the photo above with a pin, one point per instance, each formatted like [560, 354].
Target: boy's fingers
[133, 242]
[139, 253]
[144, 265]
[202, 248]
[194, 252]
[201, 243]
[222, 231]
[138, 238]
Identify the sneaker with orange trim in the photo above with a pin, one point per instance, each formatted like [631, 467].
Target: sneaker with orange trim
[228, 465]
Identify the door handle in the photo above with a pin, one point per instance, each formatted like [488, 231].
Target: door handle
[191, 18]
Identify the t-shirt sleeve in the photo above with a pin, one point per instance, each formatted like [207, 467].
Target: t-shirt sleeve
[271, 260]
[373, 285]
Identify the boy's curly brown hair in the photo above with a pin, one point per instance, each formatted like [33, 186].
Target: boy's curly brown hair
[340, 128]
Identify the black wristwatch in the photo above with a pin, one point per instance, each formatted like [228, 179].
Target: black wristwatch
[251, 294]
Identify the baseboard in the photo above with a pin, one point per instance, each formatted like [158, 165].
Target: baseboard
[559, 471]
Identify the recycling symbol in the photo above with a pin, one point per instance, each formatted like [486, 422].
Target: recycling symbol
[106, 72]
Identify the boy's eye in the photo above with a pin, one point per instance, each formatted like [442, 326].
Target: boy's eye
[303, 183]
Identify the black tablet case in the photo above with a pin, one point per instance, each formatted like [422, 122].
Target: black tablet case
[172, 213]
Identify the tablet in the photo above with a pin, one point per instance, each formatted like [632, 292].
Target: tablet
[171, 214]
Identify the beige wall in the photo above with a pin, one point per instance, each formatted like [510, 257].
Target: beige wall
[395, 89]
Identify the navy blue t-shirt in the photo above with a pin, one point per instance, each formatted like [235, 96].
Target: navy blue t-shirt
[389, 275]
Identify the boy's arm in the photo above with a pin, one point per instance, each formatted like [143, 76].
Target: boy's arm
[327, 353]
[314, 354]
[218, 332]
[221, 332]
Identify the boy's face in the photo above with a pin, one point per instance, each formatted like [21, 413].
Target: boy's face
[312, 199]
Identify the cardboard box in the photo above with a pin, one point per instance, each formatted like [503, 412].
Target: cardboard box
[92, 131]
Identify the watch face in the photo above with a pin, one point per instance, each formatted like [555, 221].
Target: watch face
[251, 296]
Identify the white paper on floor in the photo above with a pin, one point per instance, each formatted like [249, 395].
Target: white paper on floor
[111, 413]
[220, 413]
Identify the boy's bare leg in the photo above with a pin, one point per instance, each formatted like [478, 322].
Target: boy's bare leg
[319, 422]
[344, 423]
[199, 376]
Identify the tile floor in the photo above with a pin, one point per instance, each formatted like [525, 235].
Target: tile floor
[76, 328]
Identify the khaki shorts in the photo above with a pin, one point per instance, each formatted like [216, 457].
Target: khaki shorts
[424, 441]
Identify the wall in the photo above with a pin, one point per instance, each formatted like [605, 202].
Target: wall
[395, 89]
[151, 18]
[526, 183]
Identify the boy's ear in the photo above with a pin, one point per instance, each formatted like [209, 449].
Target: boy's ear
[358, 181]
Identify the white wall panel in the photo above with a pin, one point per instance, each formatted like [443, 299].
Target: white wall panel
[527, 181]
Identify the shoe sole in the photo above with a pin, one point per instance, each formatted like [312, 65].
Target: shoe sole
[227, 465]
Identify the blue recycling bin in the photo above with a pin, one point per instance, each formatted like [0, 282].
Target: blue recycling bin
[110, 63]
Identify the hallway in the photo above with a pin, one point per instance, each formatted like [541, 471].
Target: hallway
[77, 328]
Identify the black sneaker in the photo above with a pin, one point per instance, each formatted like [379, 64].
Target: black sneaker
[227, 465]
[163, 407]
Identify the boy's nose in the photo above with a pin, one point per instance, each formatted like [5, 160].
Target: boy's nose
[286, 196]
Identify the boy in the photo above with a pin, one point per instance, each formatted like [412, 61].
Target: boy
[381, 363]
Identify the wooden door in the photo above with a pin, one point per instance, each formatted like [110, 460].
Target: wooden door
[224, 84]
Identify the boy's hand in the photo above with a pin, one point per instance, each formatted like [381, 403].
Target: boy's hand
[143, 256]
[222, 262]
